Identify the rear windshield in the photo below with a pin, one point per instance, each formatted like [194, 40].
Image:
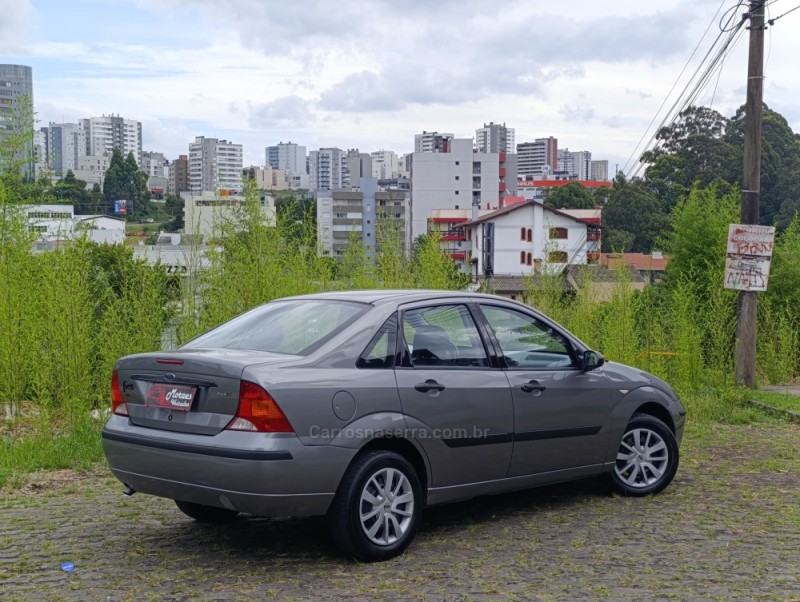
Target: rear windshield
[295, 327]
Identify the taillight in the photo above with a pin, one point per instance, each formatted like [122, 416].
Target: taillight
[258, 412]
[117, 403]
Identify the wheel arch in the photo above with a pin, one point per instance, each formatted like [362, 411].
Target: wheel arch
[405, 448]
[656, 410]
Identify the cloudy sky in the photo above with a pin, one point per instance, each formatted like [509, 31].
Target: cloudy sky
[369, 74]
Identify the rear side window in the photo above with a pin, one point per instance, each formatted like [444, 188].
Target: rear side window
[443, 336]
[381, 349]
[293, 327]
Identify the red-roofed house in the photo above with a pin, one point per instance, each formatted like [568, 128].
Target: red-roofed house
[528, 237]
[651, 267]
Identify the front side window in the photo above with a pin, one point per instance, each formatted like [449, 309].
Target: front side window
[527, 342]
[443, 336]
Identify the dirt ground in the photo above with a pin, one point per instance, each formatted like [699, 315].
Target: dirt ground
[728, 528]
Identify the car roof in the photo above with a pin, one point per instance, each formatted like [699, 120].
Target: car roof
[396, 295]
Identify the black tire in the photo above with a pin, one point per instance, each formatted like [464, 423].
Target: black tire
[397, 515]
[647, 459]
[206, 514]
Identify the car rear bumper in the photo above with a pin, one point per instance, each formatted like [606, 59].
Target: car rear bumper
[257, 473]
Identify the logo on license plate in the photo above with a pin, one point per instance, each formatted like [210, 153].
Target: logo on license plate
[170, 396]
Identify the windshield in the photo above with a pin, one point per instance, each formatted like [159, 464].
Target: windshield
[295, 327]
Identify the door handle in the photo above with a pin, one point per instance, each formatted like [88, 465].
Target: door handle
[429, 385]
[532, 386]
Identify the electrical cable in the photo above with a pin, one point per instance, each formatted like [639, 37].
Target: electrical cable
[690, 93]
[772, 21]
[683, 102]
[688, 61]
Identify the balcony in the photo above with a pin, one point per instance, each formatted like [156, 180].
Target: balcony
[501, 186]
[593, 236]
[502, 172]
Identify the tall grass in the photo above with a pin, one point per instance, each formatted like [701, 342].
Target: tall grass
[67, 315]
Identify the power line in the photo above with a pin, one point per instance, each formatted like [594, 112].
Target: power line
[701, 76]
[694, 86]
[689, 60]
[772, 21]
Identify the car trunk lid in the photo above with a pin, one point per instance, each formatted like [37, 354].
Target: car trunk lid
[193, 391]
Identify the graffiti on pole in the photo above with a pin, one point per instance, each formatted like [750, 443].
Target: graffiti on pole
[749, 256]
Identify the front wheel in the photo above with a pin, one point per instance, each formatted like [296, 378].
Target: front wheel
[378, 506]
[647, 458]
[206, 514]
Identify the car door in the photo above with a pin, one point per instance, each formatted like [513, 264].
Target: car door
[456, 398]
[562, 415]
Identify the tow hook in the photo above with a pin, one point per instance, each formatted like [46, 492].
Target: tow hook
[128, 490]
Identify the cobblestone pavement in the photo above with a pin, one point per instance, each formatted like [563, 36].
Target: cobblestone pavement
[727, 529]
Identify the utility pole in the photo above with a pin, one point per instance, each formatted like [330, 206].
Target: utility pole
[747, 306]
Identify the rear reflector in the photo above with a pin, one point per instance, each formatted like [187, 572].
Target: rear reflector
[117, 402]
[258, 412]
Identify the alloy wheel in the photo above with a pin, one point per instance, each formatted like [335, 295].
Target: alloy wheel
[642, 459]
[386, 508]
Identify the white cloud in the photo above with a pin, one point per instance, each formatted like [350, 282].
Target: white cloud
[14, 21]
[372, 73]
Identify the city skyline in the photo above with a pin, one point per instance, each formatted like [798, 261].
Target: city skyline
[259, 73]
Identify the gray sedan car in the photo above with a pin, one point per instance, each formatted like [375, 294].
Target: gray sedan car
[369, 406]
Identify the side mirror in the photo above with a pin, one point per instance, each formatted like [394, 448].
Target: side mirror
[592, 360]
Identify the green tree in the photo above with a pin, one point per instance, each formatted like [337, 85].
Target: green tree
[431, 268]
[780, 160]
[572, 196]
[698, 234]
[16, 156]
[73, 191]
[124, 181]
[633, 217]
[174, 205]
[695, 149]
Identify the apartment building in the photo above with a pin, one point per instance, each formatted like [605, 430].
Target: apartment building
[495, 138]
[179, 175]
[214, 165]
[385, 165]
[105, 133]
[360, 210]
[65, 145]
[432, 142]
[292, 159]
[458, 178]
[16, 88]
[534, 159]
[327, 169]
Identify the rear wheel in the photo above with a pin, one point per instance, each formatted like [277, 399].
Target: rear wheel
[647, 458]
[378, 506]
[206, 514]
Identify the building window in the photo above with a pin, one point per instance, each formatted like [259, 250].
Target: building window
[456, 191]
[530, 235]
[557, 257]
[558, 233]
[529, 259]
[458, 178]
[458, 163]
[522, 234]
[522, 257]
